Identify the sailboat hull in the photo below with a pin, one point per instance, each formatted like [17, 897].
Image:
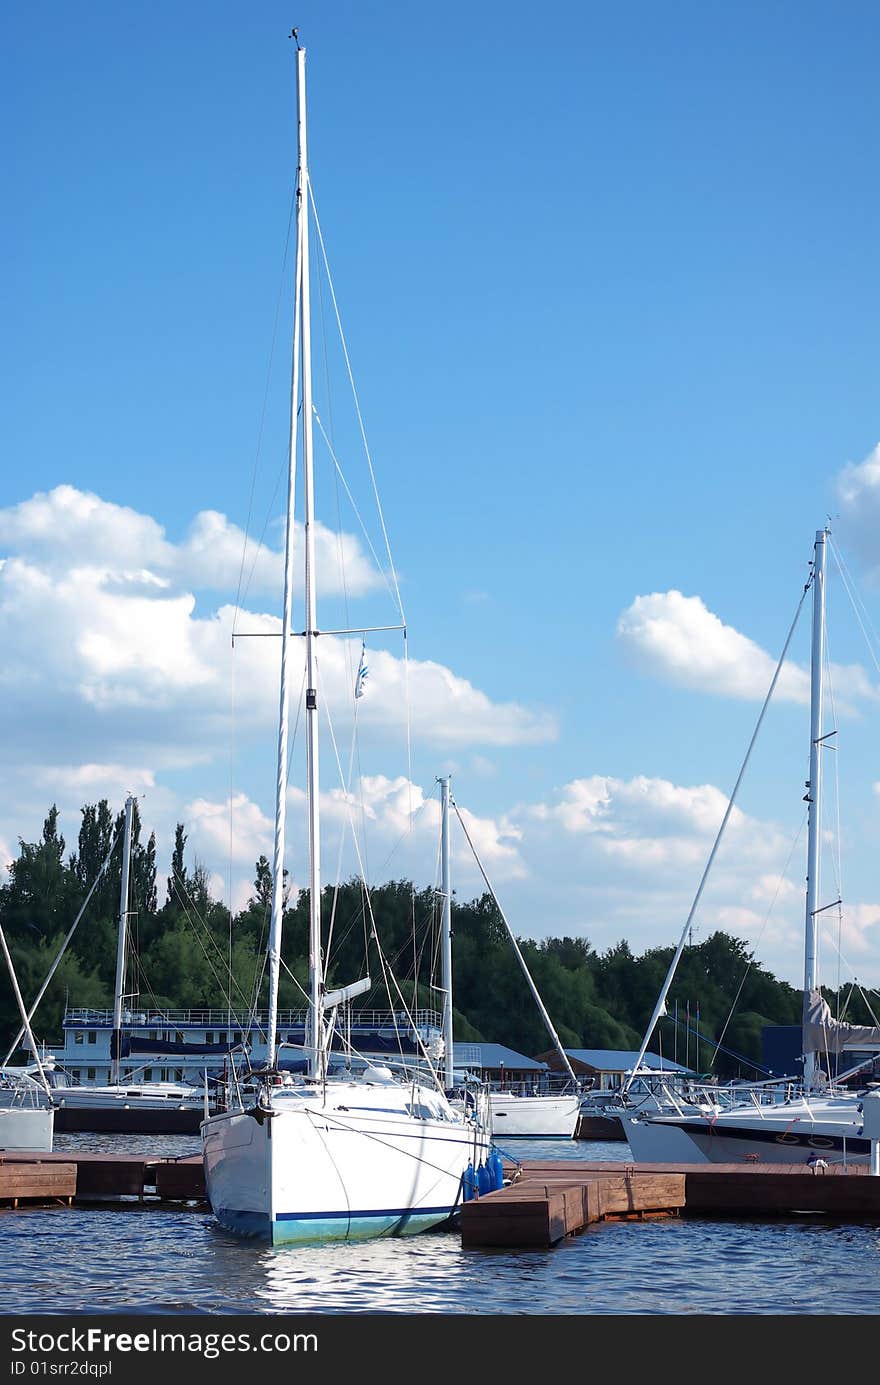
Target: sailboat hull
[789, 1133]
[306, 1173]
[534, 1117]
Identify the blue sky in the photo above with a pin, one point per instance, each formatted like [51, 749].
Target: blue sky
[608, 280]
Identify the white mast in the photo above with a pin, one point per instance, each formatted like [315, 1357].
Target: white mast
[446, 937]
[814, 797]
[286, 622]
[315, 1036]
[116, 1048]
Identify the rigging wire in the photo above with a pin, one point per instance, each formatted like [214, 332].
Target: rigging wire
[240, 594]
[357, 406]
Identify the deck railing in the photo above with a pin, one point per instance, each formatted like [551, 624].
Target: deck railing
[83, 1018]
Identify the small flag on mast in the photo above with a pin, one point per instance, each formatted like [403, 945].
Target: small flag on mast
[362, 672]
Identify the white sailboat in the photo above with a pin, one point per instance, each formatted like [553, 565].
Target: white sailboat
[328, 1157]
[800, 1123]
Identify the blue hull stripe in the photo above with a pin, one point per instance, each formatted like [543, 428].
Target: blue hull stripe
[292, 1227]
[359, 1216]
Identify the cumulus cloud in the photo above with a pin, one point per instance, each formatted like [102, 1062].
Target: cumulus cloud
[648, 824]
[66, 528]
[389, 827]
[102, 646]
[859, 933]
[236, 829]
[678, 638]
[858, 494]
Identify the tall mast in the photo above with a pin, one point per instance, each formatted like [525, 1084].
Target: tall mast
[286, 623]
[814, 797]
[446, 936]
[315, 1037]
[116, 1043]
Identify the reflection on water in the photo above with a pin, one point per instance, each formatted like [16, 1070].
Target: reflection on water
[175, 1260]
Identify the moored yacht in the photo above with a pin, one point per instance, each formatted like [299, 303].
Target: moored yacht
[813, 1119]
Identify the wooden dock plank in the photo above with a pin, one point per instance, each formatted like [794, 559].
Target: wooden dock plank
[31, 1181]
[180, 1178]
[575, 1194]
[107, 1177]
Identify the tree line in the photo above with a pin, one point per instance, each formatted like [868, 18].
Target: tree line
[189, 951]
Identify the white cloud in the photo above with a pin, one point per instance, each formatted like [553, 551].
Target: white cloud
[858, 493]
[107, 781]
[678, 638]
[770, 888]
[65, 528]
[236, 830]
[103, 650]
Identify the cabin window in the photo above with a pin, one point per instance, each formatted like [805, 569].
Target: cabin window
[78, 1036]
[148, 1075]
[209, 1036]
[221, 1037]
[90, 1074]
[236, 1038]
[92, 1036]
[178, 1074]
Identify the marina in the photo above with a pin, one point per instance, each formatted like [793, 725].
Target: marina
[441, 679]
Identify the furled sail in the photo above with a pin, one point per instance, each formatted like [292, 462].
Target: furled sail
[824, 1034]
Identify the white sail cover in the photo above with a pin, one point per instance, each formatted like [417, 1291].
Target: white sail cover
[824, 1034]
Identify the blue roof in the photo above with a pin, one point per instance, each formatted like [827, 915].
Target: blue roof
[622, 1059]
[497, 1056]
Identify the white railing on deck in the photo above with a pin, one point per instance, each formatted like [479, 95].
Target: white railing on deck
[82, 1018]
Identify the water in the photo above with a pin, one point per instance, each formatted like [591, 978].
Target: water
[172, 1260]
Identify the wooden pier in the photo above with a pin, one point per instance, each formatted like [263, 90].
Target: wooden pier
[76, 1178]
[552, 1200]
[546, 1201]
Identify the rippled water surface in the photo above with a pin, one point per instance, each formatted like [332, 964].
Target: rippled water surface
[154, 1260]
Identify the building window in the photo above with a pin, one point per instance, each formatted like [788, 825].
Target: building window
[78, 1036]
